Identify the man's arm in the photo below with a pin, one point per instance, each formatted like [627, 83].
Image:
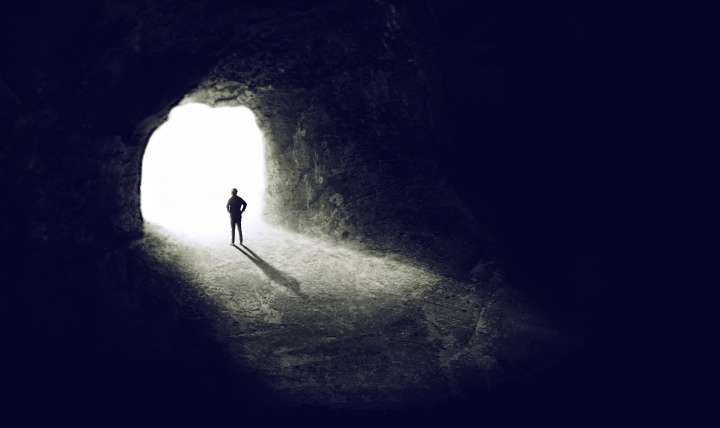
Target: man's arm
[243, 205]
[227, 206]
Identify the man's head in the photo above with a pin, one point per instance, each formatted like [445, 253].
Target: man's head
[234, 191]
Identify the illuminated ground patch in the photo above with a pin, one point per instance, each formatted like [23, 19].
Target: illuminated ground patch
[330, 326]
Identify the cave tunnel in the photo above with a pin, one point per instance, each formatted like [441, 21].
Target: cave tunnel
[450, 195]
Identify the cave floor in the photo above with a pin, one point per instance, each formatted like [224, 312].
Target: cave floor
[325, 325]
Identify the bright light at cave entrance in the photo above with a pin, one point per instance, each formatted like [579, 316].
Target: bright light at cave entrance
[191, 163]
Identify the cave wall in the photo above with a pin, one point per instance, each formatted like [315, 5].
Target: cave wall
[545, 124]
[351, 112]
[353, 123]
[464, 121]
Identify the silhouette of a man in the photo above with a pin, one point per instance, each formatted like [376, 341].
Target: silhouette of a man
[236, 206]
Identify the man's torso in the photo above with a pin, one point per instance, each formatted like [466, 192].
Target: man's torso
[235, 203]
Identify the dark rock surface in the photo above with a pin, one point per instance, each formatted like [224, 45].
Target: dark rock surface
[462, 138]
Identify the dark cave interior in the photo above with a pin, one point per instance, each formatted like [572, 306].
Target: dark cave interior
[535, 136]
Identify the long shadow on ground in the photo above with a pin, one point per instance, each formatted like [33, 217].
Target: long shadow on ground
[273, 273]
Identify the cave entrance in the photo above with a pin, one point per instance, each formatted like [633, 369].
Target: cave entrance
[193, 160]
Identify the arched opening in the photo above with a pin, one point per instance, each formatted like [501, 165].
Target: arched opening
[193, 160]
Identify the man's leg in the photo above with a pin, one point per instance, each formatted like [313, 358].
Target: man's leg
[239, 223]
[232, 231]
